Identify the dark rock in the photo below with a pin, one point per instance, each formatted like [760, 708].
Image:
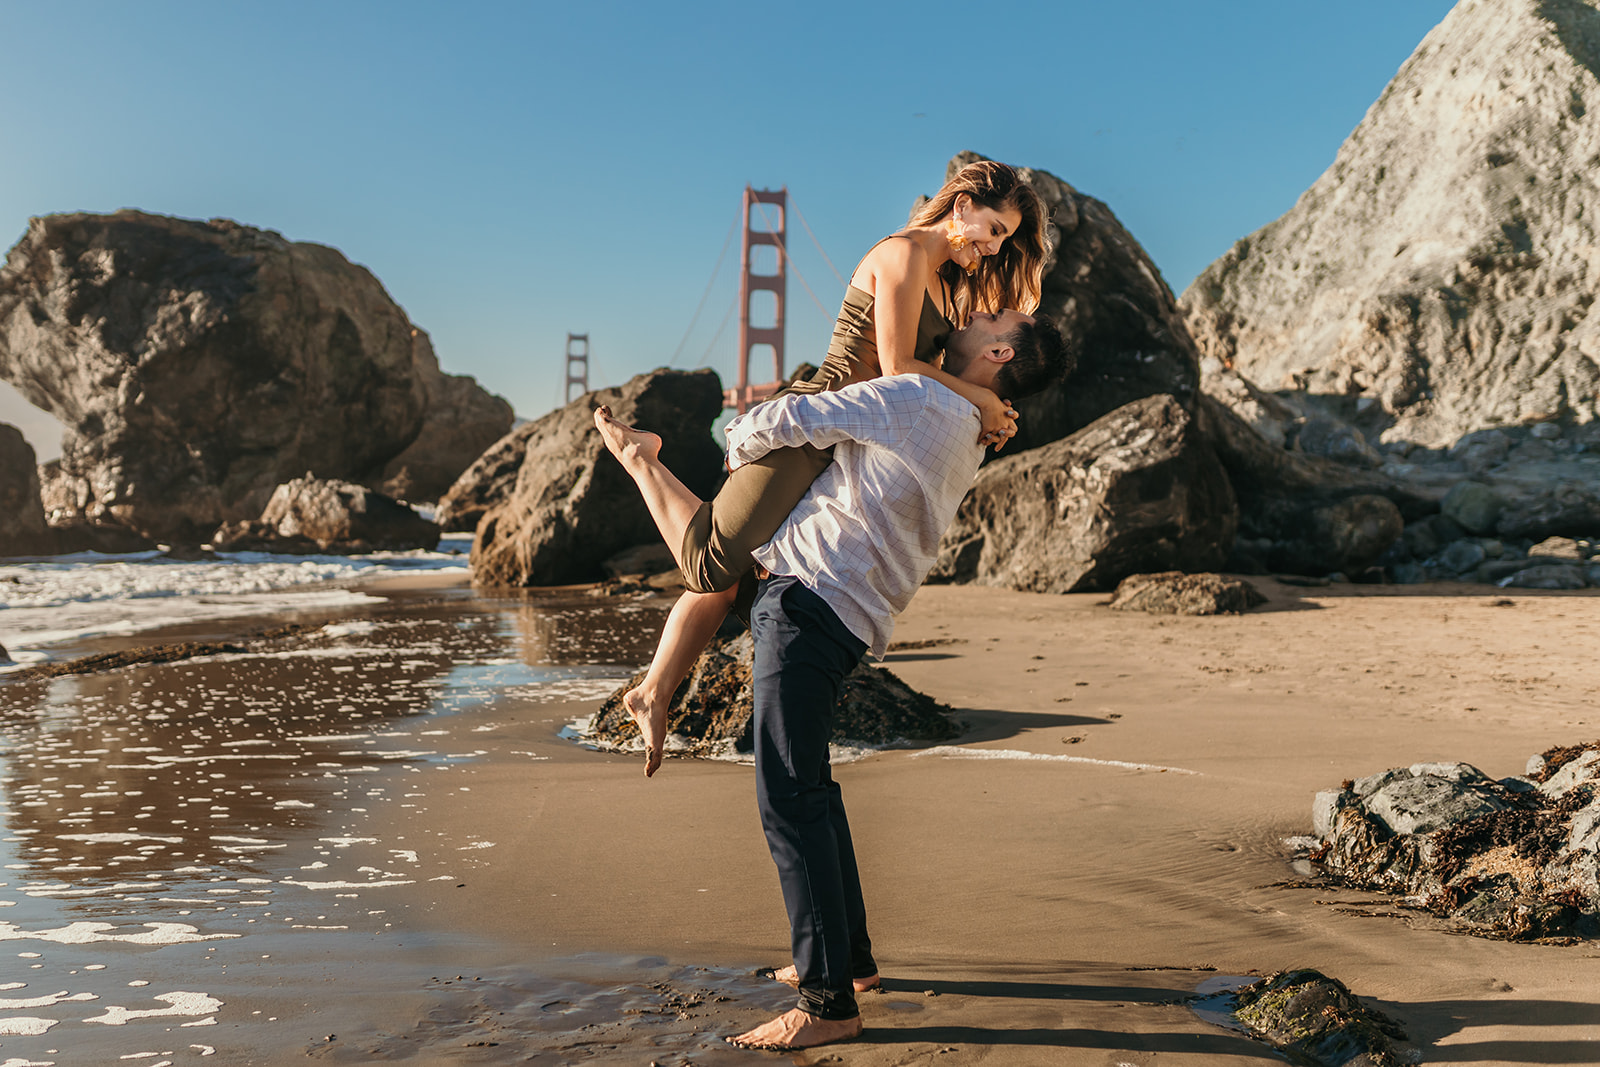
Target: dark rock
[1547, 576]
[1139, 490]
[310, 515]
[1333, 439]
[22, 527]
[1462, 556]
[712, 709]
[1177, 593]
[1438, 276]
[198, 365]
[570, 505]
[1107, 295]
[1306, 514]
[461, 420]
[1473, 506]
[1316, 1019]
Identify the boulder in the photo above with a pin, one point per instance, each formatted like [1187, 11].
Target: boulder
[1107, 296]
[571, 506]
[1176, 593]
[1438, 277]
[460, 422]
[1138, 490]
[196, 366]
[1473, 506]
[310, 515]
[1513, 858]
[22, 527]
[1302, 513]
[711, 711]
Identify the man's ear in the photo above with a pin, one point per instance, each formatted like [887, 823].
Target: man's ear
[999, 353]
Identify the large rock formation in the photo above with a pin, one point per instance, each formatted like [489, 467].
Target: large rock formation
[22, 526]
[1108, 297]
[1138, 490]
[460, 422]
[571, 506]
[1439, 277]
[198, 365]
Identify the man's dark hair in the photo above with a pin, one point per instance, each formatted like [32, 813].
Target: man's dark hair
[1042, 358]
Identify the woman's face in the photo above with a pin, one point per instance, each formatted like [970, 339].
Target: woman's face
[984, 228]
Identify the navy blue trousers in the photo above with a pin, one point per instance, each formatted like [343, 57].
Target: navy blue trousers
[802, 654]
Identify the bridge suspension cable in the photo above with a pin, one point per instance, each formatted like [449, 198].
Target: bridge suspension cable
[726, 241]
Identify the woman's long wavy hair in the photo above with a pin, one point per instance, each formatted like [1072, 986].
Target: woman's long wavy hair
[1013, 278]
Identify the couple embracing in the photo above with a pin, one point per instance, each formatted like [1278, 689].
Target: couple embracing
[839, 491]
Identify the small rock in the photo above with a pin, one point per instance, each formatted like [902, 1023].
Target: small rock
[1473, 506]
[1176, 593]
[1547, 576]
[1325, 809]
[1546, 431]
[1557, 548]
[1535, 768]
[1481, 450]
[1318, 1020]
[1462, 556]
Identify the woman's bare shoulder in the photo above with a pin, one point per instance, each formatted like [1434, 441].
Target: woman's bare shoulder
[897, 257]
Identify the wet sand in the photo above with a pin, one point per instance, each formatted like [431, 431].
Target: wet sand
[489, 892]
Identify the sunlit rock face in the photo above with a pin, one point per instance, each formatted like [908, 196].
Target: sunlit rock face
[1439, 277]
[198, 365]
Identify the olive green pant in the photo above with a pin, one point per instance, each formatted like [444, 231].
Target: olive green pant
[744, 515]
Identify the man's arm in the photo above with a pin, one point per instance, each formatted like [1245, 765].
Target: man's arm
[880, 411]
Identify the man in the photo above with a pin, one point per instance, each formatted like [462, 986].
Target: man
[846, 561]
[844, 564]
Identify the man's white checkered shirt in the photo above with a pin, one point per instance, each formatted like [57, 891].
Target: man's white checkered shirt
[867, 533]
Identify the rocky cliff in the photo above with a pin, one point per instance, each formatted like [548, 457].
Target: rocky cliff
[1439, 278]
[198, 365]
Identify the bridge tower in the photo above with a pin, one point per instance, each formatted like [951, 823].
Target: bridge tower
[577, 364]
[771, 233]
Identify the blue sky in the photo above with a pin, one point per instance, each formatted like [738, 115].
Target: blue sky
[512, 172]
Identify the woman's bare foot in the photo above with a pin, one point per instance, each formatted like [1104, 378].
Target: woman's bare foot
[623, 441]
[789, 976]
[798, 1029]
[652, 727]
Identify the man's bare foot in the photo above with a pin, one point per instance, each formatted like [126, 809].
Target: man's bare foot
[652, 727]
[798, 1029]
[623, 441]
[789, 976]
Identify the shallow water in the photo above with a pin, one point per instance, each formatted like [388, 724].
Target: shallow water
[179, 835]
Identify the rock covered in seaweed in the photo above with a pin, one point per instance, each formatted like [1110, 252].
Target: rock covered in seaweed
[1514, 858]
[1317, 1019]
[712, 709]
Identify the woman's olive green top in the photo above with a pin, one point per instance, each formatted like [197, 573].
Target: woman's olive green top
[853, 351]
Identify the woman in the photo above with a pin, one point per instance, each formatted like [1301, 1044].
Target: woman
[977, 246]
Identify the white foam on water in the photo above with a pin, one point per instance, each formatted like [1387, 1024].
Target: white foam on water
[43, 1002]
[348, 885]
[118, 839]
[18, 1061]
[66, 598]
[23, 1026]
[957, 752]
[84, 933]
[178, 1003]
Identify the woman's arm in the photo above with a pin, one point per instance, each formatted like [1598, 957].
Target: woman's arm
[898, 271]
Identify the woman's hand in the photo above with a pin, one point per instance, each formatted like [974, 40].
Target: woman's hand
[999, 421]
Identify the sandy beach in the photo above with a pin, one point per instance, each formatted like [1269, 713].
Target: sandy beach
[419, 868]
